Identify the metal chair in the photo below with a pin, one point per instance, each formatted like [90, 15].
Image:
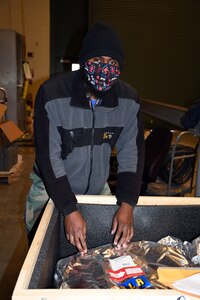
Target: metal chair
[176, 174]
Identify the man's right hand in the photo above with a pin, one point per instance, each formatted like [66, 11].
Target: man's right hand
[75, 228]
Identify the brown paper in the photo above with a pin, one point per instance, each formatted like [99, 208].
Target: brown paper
[11, 131]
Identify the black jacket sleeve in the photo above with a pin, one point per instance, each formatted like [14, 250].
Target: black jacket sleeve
[130, 159]
[58, 188]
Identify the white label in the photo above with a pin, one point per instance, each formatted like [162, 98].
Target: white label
[121, 262]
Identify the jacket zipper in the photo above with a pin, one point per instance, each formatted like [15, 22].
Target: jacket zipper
[91, 150]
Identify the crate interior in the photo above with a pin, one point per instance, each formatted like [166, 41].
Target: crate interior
[151, 224]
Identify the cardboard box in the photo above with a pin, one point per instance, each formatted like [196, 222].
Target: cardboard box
[9, 132]
[8, 128]
[154, 218]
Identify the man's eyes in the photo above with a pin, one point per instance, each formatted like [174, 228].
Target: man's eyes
[97, 60]
[111, 62]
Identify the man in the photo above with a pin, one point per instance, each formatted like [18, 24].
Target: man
[79, 118]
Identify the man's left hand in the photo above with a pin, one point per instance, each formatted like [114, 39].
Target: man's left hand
[122, 225]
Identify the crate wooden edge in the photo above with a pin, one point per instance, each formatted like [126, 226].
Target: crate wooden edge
[143, 200]
[32, 255]
[99, 294]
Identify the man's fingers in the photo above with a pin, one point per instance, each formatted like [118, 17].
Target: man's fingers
[131, 233]
[123, 235]
[84, 233]
[128, 237]
[118, 234]
[114, 226]
[84, 245]
[75, 228]
[71, 239]
[80, 241]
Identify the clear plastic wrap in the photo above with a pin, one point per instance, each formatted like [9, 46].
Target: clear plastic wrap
[190, 251]
[131, 267]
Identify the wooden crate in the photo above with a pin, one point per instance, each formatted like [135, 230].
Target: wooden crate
[155, 217]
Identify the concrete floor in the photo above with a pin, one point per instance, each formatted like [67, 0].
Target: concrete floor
[13, 241]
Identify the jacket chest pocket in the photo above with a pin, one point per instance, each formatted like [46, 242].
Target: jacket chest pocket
[71, 139]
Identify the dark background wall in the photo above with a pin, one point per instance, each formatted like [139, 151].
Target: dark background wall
[161, 40]
[68, 25]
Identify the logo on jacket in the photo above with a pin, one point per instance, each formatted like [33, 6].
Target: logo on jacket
[108, 135]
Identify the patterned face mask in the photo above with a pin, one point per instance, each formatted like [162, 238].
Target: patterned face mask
[100, 75]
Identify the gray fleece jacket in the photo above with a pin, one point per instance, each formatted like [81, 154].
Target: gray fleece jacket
[74, 141]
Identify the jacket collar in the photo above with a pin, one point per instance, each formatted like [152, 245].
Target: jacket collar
[79, 98]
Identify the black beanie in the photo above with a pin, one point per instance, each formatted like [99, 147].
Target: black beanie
[102, 40]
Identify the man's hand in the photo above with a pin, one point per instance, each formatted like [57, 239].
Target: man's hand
[75, 228]
[122, 225]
